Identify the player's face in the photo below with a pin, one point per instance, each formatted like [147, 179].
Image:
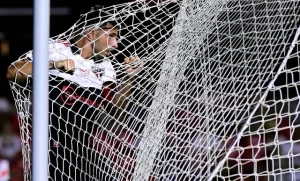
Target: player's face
[106, 40]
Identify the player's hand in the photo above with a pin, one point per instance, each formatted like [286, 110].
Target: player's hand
[133, 65]
[67, 65]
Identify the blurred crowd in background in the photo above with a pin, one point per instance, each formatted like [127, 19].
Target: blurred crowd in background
[11, 162]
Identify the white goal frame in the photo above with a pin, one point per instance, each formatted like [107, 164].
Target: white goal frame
[40, 90]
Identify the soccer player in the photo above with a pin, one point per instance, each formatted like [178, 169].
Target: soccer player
[82, 85]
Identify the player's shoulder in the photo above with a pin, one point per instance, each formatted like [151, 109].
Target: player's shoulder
[59, 49]
[59, 42]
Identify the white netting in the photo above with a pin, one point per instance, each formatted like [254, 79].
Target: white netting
[217, 97]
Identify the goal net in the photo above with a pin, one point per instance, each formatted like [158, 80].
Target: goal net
[217, 97]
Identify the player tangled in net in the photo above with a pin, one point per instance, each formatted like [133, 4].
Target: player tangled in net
[83, 86]
[205, 106]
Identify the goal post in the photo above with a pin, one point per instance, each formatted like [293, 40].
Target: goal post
[217, 97]
[40, 91]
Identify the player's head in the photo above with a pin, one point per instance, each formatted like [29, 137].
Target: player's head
[99, 31]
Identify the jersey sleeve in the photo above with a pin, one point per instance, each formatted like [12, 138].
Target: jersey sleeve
[58, 50]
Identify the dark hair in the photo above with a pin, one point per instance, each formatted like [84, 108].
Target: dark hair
[97, 16]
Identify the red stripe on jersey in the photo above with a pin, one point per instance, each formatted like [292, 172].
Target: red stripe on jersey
[108, 90]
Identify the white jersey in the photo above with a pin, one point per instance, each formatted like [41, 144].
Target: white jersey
[87, 73]
[4, 170]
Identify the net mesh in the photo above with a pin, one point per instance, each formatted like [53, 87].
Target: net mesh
[217, 97]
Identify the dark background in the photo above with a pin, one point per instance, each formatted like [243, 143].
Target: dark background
[16, 29]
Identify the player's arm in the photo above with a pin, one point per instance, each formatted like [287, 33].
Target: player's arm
[20, 70]
[133, 65]
[120, 99]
